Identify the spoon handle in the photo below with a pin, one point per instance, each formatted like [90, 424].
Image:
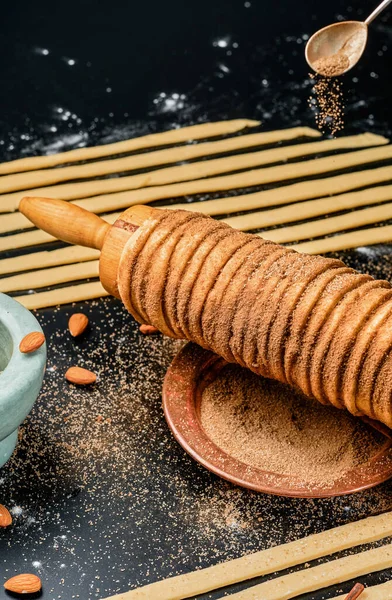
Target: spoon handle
[377, 11]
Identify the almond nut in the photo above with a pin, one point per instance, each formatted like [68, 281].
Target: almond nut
[23, 584]
[148, 329]
[5, 516]
[77, 324]
[80, 376]
[31, 342]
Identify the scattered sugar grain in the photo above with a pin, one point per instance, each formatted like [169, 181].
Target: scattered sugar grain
[328, 103]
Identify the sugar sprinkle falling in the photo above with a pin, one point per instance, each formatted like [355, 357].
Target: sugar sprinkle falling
[327, 101]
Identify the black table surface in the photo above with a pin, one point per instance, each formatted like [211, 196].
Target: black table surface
[103, 498]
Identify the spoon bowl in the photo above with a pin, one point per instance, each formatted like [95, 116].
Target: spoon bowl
[344, 38]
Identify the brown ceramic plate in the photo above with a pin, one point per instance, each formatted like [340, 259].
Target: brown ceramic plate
[190, 372]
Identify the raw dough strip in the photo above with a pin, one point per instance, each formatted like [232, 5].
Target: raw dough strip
[315, 188]
[322, 227]
[376, 592]
[208, 168]
[31, 238]
[282, 195]
[306, 210]
[345, 241]
[265, 562]
[264, 218]
[66, 295]
[47, 277]
[173, 136]
[320, 577]
[135, 162]
[23, 240]
[53, 258]
[282, 235]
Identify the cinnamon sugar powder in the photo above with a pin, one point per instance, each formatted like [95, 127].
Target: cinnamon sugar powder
[268, 425]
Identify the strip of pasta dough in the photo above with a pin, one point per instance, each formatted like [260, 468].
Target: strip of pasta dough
[282, 195]
[322, 576]
[265, 562]
[376, 592]
[66, 295]
[261, 219]
[52, 258]
[314, 229]
[256, 220]
[24, 181]
[287, 234]
[173, 136]
[345, 241]
[49, 277]
[207, 168]
[180, 154]
[308, 210]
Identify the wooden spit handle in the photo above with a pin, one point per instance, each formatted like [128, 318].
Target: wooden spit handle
[65, 221]
[75, 225]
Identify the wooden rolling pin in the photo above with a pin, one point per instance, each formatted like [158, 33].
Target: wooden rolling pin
[308, 321]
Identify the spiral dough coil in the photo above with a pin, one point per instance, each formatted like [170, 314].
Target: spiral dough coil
[305, 320]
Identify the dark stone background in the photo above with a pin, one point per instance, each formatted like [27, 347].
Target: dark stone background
[82, 72]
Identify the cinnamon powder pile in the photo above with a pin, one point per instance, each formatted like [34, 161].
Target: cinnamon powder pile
[336, 64]
[268, 425]
[332, 66]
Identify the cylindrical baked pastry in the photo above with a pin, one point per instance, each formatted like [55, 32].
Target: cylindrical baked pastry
[305, 320]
